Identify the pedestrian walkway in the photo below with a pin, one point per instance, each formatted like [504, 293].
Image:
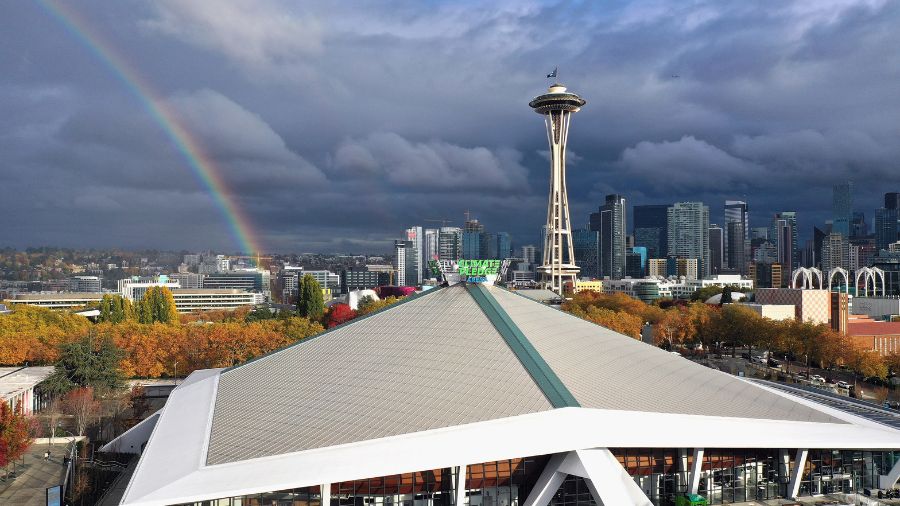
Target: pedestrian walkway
[29, 486]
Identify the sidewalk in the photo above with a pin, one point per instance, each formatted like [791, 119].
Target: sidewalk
[30, 485]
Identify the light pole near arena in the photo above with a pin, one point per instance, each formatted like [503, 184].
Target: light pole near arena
[558, 265]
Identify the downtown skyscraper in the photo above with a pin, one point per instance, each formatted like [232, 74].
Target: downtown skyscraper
[688, 233]
[610, 224]
[737, 235]
[842, 208]
[650, 229]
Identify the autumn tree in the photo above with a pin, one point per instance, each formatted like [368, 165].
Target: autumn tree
[676, 327]
[14, 434]
[368, 305]
[617, 321]
[865, 362]
[81, 404]
[87, 363]
[338, 314]
[310, 303]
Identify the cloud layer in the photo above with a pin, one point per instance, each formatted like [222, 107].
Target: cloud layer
[334, 126]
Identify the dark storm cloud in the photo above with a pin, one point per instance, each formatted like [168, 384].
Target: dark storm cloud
[337, 125]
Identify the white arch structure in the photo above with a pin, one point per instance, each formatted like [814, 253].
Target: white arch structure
[843, 272]
[807, 276]
[870, 276]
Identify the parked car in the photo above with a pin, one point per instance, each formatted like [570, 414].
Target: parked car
[843, 384]
[817, 378]
[774, 363]
[759, 359]
[745, 356]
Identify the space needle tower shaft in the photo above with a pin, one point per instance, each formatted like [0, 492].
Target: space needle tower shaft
[558, 263]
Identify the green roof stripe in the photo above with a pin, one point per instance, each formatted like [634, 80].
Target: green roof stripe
[547, 380]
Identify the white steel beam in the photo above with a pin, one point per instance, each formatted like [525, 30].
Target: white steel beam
[797, 473]
[609, 482]
[696, 471]
[325, 495]
[459, 482]
[548, 483]
[890, 479]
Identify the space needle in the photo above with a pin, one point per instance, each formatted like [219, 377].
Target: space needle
[558, 264]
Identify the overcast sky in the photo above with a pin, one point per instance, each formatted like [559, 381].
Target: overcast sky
[337, 125]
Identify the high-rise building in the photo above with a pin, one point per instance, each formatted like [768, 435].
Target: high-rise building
[431, 249]
[858, 225]
[609, 223]
[818, 244]
[504, 245]
[400, 261]
[716, 249]
[450, 244]
[784, 236]
[737, 250]
[688, 233]
[473, 240]
[558, 264]
[587, 259]
[650, 229]
[415, 235]
[636, 263]
[688, 268]
[657, 267]
[835, 252]
[886, 227]
[405, 262]
[759, 233]
[892, 200]
[842, 208]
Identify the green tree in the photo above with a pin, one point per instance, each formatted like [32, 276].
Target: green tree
[87, 363]
[703, 294]
[157, 305]
[310, 303]
[115, 309]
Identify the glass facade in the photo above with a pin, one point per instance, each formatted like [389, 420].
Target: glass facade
[727, 476]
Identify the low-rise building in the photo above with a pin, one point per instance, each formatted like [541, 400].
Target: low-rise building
[879, 308]
[205, 299]
[17, 387]
[135, 287]
[85, 284]
[773, 311]
[582, 285]
[632, 287]
[63, 300]
[809, 305]
[879, 336]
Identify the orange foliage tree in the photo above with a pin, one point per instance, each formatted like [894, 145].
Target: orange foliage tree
[14, 434]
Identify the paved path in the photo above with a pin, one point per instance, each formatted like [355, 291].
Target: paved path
[30, 485]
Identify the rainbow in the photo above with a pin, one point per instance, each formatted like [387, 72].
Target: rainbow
[201, 164]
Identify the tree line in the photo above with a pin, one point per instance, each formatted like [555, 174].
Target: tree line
[727, 327]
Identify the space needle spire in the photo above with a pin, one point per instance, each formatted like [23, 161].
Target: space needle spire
[558, 265]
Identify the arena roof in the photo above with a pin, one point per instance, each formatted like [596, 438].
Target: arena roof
[458, 375]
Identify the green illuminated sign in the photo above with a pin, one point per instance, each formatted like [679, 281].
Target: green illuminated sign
[479, 268]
